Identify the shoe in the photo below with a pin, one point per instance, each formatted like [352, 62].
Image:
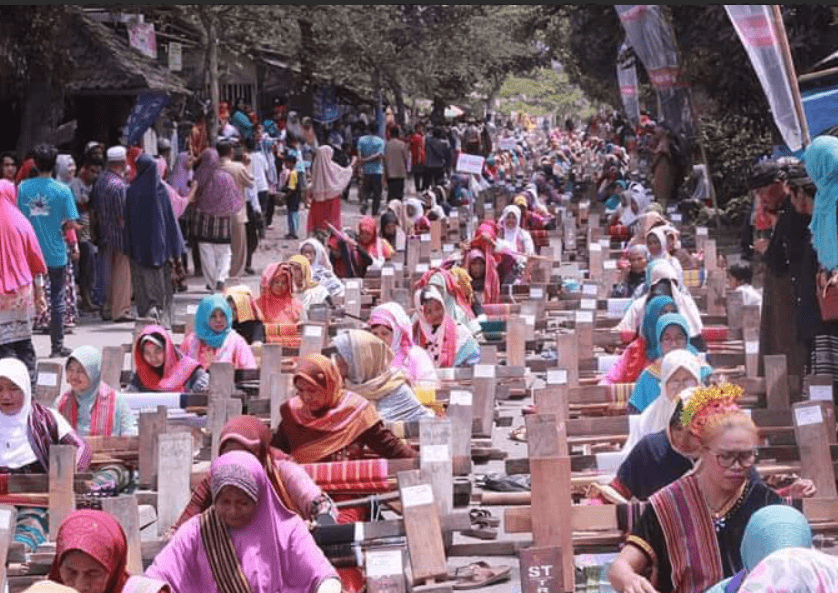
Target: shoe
[219, 286]
[125, 319]
[61, 352]
[208, 287]
[250, 271]
[290, 236]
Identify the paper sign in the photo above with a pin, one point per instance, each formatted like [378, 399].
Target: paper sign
[445, 374]
[584, 317]
[470, 163]
[191, 309]
[701, 231]
[384, 563]
[398, 266]
[588, 304]
[436, 263]
[5, 517]
[313, 331]
[751, 347]
[529, 319]
[808, 415]
[353, 285]
[589, 289]
[617, 307]
[387, 271]
[359, 532]
[609, 462]
[605, 363]
[748, 411]
[609, 264]
[595, 247]
[447, 248]
[605, 243]
[557, 377]
[820, 393]
[536, 294]
[414, 496]
[434, 453]
[142, 38]
[677, 218]
[460, 398]
[47, 379]
[422, 268]
[425, 238]
[484, 371]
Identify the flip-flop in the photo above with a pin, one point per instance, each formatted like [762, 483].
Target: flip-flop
[483, 516]
[519, 434]
[480, 574]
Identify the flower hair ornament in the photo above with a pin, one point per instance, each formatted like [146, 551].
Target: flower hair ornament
[709, 405]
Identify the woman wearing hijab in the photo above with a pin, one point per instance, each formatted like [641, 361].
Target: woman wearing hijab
[281, 311]
[161, 367]
[22, 273]
[181, 176]
[308, 291]
[448, 342]
[328, 181]
[90, 406]
[793, 570]
[366, 364]
[246, 541]
[154, 241]
[348, 258]
[217, 199]
[634, 274]
[672, 332]
[513, 243]
[247, 317]
[321, 267]
[417, 222]
[214, 339]
[296, 490]
[485, 276]
[391, 230]
[28, 429]
[456, 294]
[91, 555]
[390, 323]
[368, 239]
[657, 242]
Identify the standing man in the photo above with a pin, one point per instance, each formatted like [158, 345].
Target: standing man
[51, 209]
[417, 156]
[107, 207]
[396, 164]
[437, 158]
[238, 235]
[81, 185]
[371, 158]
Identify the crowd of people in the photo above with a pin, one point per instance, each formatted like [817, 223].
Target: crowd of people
[120, 230]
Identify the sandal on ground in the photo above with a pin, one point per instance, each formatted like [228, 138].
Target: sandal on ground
[483, 516]
[519, 434]
[480, 574]
[481, 530]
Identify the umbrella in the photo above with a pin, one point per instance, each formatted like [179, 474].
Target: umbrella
[453, 111]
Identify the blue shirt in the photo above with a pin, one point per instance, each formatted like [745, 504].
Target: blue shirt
[48, 204]
[368, 146]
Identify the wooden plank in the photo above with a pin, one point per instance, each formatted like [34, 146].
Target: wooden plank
[716, 288]
[113, 358]
[48, 377]
[515, 340]
[751, 340]
[813, 441]
[483, 386]
[174, 462]
[62, 498]
[541, 570]
[734, 306]
[566, 345]
[271, 363]
[124, 509]
[422, 527]
[776, 382]
[281, 391]
[436, 236]
[352, 300]
[435, 465]
[388, 284]
[8, 517]
[220, 389]
[151, 426]
[459, 412]
[384, 570]
[313, 340]
[488, 354]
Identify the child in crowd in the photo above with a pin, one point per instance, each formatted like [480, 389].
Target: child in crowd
[291, 189]
[739, 279]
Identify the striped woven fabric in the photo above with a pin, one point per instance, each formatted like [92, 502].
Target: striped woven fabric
[619, 231]
[285, 334]
[32, 527]
[620, 394]
[694, 278]
[714, 333]
[497, 311]
[629, 514]
[540, 238]
[357, 475]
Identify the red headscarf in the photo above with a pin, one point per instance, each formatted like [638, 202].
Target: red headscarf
[283, 308]
[177, 367]
[98, 535]
[378, 247]
[348, 416]
[131, 161]
[482, 241]
[25, 170]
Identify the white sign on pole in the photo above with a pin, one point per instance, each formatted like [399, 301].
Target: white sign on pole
[470, 163]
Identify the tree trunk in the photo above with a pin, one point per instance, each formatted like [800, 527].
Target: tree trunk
[401, 119]
[306, 67]
[212, 34]
[36, 124]
[376, 93]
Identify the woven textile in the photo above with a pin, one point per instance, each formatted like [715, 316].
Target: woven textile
[694, 278]
[620, 394]
[619, 231]
[361, 475]
[714, 333]
[497, 311]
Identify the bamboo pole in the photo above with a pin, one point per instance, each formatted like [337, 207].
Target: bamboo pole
[780, 30]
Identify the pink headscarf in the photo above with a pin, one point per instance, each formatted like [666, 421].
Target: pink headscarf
[8, 190]
[393, 316]
[20, 252]
[179, 202]
[275, 550]
[328, 179]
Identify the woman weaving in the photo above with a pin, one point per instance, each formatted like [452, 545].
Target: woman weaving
[281, 311]
[690, 551]
[160, 367]
[214, 339]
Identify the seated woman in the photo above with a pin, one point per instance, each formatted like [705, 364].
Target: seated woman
[282, 313]
[417, 222]
[484, 270]
[690, 534]
[369, 240]
[325, 422]
[247, 317]
[91, 556]
[308, 291]
[90, 406]
[449, 342]
[214, 339]
[477, 268]
[634, 274]
[391, 230]
[793, 570]
[321, 267]
[390, 323]
[671, 331]
[680, 370]
[161, 367]
[641, 351]
[366, 364]
[245, 541]
[657, 242]
[348, 259]
[514, 244]
[291, 483]
[455, 295]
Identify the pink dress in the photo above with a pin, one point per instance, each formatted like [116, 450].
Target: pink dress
[234, 349]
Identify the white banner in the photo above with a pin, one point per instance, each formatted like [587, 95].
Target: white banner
[754, 24]
[470, 163]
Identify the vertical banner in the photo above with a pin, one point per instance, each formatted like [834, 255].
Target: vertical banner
[175, 57]
[649, 34]
[753, 24]
[627, 79]
[142, 38]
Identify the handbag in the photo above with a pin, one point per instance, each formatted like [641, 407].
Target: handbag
[827, 297]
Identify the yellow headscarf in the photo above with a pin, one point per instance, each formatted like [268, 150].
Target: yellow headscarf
[303, 262]
[370, 362]
[246, 307]
[464, 282]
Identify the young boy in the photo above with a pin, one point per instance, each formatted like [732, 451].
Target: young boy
[739, 279]
[292, 195]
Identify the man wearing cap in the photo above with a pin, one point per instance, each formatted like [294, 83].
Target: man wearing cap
[108, 229]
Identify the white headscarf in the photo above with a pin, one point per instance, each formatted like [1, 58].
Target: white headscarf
[660, 233]
[506, 234]
[664, 270]
[15, 450]
[321, 259]
[657, 415]
[419, 210]
[328, 179]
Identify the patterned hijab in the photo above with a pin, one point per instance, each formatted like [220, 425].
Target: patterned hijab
[177, 368]
[305, 265]
[393, 316]
[370, 361]
[275, 307]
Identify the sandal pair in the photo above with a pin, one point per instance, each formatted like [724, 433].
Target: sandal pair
[480, 574]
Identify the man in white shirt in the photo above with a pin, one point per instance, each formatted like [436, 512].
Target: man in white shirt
[254, 195]
[739, 279]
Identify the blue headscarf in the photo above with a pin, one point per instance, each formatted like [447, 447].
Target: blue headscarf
[202, 320]
[650, 323]
[821, 160]
[665, 321]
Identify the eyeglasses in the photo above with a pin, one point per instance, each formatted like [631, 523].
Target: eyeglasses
[726, 459]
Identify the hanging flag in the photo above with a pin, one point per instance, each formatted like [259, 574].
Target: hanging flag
[326, 106]
[142, 38]
[627, 79]
[145, 112]
[649, 34]
[754, 25]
